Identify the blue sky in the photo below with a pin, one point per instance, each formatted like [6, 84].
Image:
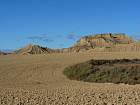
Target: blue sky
[59, 23]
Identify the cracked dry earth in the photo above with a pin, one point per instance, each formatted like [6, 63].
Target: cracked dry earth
[38, 80]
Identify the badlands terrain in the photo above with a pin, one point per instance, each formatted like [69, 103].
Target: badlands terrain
[33, 75]
[38, 80]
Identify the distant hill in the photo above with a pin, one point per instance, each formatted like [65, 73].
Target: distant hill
[33, 49]
[98, 42]
[2, 53]
[7, 50]
[101, 40]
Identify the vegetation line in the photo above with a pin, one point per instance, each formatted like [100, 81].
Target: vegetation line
[106, 71]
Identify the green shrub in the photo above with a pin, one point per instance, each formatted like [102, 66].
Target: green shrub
[106, 71]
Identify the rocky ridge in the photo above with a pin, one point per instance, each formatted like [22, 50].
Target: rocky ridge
[101, 41]
[34, 49]
[104, 40]
[98, 42]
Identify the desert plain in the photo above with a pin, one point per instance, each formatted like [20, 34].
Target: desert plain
[39, 80]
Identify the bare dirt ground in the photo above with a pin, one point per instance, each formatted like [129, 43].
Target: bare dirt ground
[38, 80]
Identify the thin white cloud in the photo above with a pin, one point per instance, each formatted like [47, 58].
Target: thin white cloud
[41, 37]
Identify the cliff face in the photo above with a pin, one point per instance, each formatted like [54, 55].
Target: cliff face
[125, 47]
[101, 40]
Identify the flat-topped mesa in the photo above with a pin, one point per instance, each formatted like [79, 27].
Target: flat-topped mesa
[104, 40]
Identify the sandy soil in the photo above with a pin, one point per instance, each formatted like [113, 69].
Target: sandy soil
[38, 80]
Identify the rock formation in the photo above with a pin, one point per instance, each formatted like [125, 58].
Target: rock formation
[33, 49]
[124, 47]
[100, 41]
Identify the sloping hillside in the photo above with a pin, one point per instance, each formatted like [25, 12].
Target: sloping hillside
[124, 47]
[33, 49]
[98, 41]
[101, 40]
